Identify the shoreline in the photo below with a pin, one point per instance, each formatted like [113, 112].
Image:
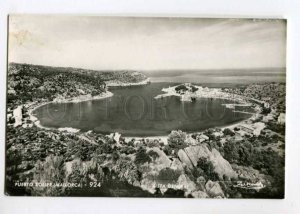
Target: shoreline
[108, 94]
[104, 95]
[213, 93]
[203, 92]
[36, 121]
[120, 84]
[32, 107]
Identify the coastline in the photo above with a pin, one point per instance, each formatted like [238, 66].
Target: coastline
[33, 106]
[121, 84]
[164, 138]
[216, 94]
[203, 92]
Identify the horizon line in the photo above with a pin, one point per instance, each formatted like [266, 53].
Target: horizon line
[153, 70]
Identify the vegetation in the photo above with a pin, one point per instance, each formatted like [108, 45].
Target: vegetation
[142, 157]
[153, 155]
[207, 169]
[176, 140]
[267, 162]
[168, 175]
[33, 154]
[273, 93]
[27, 83]
[51, 171]
[228, 132]
[44, 156]
[181, 88]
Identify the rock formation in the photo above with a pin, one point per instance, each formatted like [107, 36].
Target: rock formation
[190, 156]
[214, 189]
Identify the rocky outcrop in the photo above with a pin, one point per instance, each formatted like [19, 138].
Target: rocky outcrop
[186, 184]
[151, 171]
[221, 166]
[177, 165]
[162, 159]
[149, 185]
[187, 157]
[184, 158]
[190, 156]
[214, 189]
[199, 194]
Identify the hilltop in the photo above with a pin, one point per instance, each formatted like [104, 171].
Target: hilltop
[27, 83]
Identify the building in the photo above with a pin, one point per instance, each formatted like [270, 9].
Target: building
[246, 128]
[186, 97]
[18, 115]
[259, 126]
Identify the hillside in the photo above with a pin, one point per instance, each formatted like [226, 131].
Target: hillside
[27, 83]
[214, 163]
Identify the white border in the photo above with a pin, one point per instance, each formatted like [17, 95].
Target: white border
[209, 8]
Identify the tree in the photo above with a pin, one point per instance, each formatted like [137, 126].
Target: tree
[180, 87]
[167, 150]
[265, 111]
[142, 157]
[228, 132]
[236, 129]
[14, 158]
[231, 152]
[168, 175]
[78, 175]
[208, 169]
[153, 155]
[50, 171]
[177, 140]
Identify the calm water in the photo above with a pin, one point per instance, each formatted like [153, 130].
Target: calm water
[220, 77]
[133, 111]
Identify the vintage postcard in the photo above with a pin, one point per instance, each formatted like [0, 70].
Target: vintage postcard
[145, 107]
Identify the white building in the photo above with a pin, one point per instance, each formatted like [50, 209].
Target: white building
[18, 116]
[246, 128]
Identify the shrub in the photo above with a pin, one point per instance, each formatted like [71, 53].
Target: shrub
[265, 111]
[153, 143]
[50, 171]
[142, 157]
[208, 169]
[168, 175]
[177, 140]
[228, 132]
[167, 150]
[153, 155]
[236, 129]
[180, 87]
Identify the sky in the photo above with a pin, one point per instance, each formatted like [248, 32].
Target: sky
[117, 43]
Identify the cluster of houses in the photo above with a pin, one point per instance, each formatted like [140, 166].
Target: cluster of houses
[251, 129]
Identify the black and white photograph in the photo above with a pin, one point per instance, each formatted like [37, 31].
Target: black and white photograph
[156, 107]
